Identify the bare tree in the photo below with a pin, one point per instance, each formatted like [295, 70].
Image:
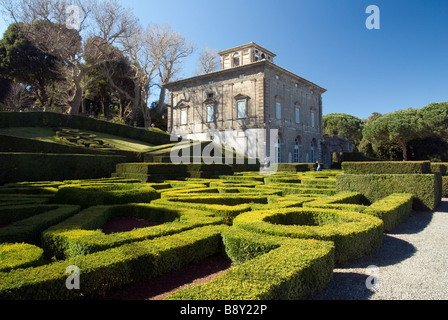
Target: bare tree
[18, 97]
[207, 62]
[172, 48]
[130, 69]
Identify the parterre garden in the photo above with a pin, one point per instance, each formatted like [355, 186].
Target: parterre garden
[284, 233]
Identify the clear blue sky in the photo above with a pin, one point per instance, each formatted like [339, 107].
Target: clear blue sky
[403, 64]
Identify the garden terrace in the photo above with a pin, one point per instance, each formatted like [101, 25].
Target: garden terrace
[283, 233]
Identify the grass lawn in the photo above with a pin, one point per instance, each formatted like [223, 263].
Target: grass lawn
[48, 135]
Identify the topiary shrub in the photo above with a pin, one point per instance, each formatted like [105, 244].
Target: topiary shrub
[17, 167]
[392, 210]
[445, 187]
[439, 167]
[266, 268]
[348, 201]
[102, 194]
[227, 212]
[29, 229]
[353, 234]
[19, 255]
[387, 167]
[426, 188]
[81, 234]
[113, 268]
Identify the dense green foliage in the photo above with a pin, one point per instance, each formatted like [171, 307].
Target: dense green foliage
[399, 127]
[343, 124]
[408, 134]
[393, 209]
[23, 62]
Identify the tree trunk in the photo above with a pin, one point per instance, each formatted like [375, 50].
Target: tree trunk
[404, 148]
[41, 94]
[161, 103]
[75, 103]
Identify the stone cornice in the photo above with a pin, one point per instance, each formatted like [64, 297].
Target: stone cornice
[247, 46]
[239, 70]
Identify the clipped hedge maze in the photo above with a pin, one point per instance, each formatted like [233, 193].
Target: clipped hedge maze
[267, 268]
[77, 138]
[354, 235]
[284, 233]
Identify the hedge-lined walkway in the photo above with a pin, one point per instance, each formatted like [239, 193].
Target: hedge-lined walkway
[412, 264]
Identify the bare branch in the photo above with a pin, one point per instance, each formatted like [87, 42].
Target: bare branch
[207, 62]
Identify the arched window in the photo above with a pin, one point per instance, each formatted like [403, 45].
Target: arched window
[296, 151]
[236, 59]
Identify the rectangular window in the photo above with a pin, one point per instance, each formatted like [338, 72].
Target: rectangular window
[210, 114]
[183, 116]
[278, 110]
[241, 106]
[312, 119]
[297, 115]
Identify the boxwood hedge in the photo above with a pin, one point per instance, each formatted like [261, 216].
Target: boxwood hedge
[392, 210]
[349, 201]
[227, 212]
[267, 268]
[303, 235]
[426, 188]
[354, 234]
[445, 187]
[18, 167]
[112, 268]
[387, 167]
[82, 234]
[29, 229]
[19, 255]
[102, 194]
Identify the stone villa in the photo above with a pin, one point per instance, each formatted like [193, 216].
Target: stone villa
[239, 106]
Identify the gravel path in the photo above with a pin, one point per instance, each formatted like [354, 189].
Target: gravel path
[412, 264]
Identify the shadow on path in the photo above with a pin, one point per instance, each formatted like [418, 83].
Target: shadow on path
[345, 286]
[349, 281]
